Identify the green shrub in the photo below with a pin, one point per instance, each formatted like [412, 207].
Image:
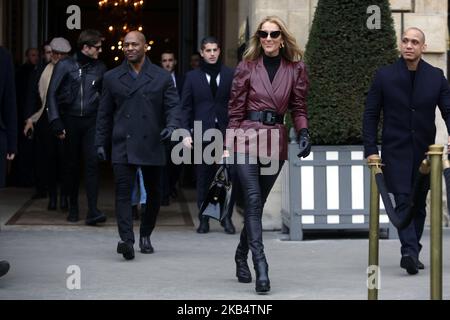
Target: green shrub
[342, 56]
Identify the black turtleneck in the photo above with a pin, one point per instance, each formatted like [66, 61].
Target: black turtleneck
[272, 65]
[83, 59]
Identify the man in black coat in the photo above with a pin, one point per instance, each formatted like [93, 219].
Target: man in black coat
[138, 113]
[407, 92]
[206, 92]
[72, 99]
[8, 114]
[8, 123]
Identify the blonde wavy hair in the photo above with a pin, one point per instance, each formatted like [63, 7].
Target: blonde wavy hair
[291, 50]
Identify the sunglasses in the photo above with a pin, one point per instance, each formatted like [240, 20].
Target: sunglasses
[97, 47]
[273, 34]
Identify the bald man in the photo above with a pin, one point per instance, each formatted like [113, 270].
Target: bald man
[138, 112]
[407, 92]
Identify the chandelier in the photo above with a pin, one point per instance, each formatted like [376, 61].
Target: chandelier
[123, 16]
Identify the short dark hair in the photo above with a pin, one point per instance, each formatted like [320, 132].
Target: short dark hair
[209, 39]
[168, 51]
[90, 38]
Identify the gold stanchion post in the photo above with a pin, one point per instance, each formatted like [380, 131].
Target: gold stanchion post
[374, 226]
[435, 153]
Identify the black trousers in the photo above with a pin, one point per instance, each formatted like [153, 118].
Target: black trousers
[125, 176]
[411, 235]
[80, 137]
[49, 153]
[256, 188]
[3, 162]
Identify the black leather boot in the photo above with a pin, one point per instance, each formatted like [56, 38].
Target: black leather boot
[262, 276]
[242, 270]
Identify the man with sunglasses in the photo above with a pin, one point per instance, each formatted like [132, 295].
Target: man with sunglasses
[72, 99]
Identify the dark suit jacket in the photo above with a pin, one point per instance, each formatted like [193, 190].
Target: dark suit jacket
[408, 118]
[253, 91]
[198, 103]
[8, 108]
[133, 113]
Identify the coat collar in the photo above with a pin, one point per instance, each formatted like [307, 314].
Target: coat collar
[144, 77]
[272, 87]
[405, 74]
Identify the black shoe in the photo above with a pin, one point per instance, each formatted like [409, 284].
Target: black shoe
[204, 226]
[262, 277]
[73, 214]
[409, 263]
[94, 218]
[242, 270]
[52, 203]
[227, 225]
[134, 210]
[126, 249]
[4, 268]
[146, 245]
[420, 265]
[63, 203]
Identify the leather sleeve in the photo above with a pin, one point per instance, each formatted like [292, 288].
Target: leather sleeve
[298, 105]
[59, 72]
[237, 105]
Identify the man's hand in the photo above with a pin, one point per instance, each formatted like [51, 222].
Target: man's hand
[304, 143]
[10, 156]
[28, 126]
[166, 134]
[373, 156]
[188, 142]
[57, 127]
[101, 154]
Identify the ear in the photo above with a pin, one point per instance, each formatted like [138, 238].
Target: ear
[424, 47]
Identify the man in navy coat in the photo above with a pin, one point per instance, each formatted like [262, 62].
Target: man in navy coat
[407, 92]
[138, 113]
[205, 96]
[8, 113]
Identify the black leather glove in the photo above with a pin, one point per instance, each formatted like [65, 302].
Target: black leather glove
[304, 143]
[166, 134]
[57, 127]
[101, 154]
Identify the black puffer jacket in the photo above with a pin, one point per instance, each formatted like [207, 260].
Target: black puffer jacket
[74, 89]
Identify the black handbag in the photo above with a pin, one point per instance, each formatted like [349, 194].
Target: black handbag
[218, 198]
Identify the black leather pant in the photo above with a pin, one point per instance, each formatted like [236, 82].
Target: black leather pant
[256, 188]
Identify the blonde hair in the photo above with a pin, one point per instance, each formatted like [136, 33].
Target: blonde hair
[291, 50]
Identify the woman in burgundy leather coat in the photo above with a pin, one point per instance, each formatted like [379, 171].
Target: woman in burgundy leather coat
[270, 80]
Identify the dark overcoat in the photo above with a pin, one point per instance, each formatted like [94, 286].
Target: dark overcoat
[133, 112]
[199, 104]
[408, 119]
[8, 112]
